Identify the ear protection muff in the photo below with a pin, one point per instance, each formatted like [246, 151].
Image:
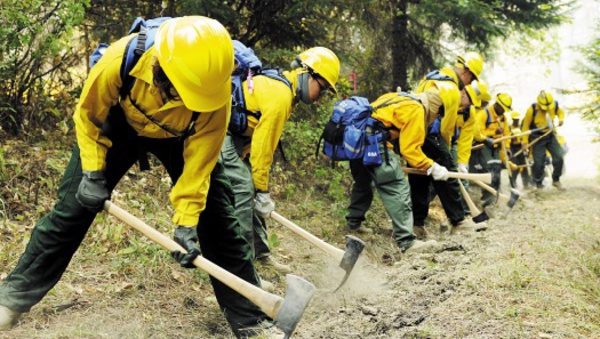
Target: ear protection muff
[302, 89]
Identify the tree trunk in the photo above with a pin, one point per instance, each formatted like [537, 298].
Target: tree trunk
[400, 52]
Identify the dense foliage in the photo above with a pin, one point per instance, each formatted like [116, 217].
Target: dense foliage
[590, 69]
[385, 43]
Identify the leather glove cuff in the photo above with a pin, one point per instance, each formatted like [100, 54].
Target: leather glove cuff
[92, 191]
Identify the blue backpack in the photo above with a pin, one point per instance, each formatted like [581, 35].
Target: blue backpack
[248, 65]
[345, 136]
[139, 44]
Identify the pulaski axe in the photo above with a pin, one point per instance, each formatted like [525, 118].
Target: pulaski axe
[479, 215]
[286, 312]
[348, 258]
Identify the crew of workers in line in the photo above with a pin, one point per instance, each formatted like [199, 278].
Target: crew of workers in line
[178, 108]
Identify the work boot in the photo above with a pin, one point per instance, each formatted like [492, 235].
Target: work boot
[270, 262]
[557, 184]
[466, 225]
[267, 286]
[419, 246]
[8, 318]
[420, 232]
[354, 225]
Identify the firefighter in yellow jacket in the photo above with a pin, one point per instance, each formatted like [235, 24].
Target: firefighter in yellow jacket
[516, 144]
[314, 72]
[540, 115]
[177, 109]
[402, 121]
[466, 128]
[438, 143]
[492, 124]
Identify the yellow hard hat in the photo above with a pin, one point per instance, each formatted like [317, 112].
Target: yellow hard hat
[450, 95]
[515, 115]
[505, 101]
[474, 91]
[324, 63]
[545, 100]
[472, 61]
[196, 54]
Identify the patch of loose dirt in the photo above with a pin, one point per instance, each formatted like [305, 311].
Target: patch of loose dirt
[531, 275]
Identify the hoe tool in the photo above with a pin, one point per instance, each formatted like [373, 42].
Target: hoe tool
[348, 258]
[485, 177]
[512, 199]
[286, 312]
[479, 216]
[495, 166]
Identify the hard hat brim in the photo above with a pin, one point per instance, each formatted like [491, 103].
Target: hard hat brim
[207, 101]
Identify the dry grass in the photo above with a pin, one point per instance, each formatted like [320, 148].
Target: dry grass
[534, 274]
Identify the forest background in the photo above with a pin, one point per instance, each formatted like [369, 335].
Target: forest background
[44, 51]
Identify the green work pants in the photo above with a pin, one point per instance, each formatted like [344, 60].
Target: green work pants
[393, 190]
[520, 160]
[56, 236]
[253, 227]
[538, 149]
[436, 148]
[479, 164]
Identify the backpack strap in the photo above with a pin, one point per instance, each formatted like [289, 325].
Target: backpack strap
[127, 64]
[532, 123]
[488, 121]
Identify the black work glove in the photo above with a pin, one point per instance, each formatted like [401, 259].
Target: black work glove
[92, 191]
[489, 142]
[187, 237]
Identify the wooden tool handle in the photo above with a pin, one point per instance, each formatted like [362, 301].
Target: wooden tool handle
[269, 303]
[531, 144]
[510, 137]
[329, 249]
[468, 200]
[485, 177]
[490, 189]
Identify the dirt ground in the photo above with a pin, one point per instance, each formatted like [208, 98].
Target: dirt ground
[533, 274]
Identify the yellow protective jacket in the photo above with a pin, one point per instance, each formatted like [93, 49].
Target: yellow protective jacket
[516, 140]
[540, 119]
[405, 119]
[275, 101]
[448, 123]
[466, 130]
[489, 123]
[201, 148]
